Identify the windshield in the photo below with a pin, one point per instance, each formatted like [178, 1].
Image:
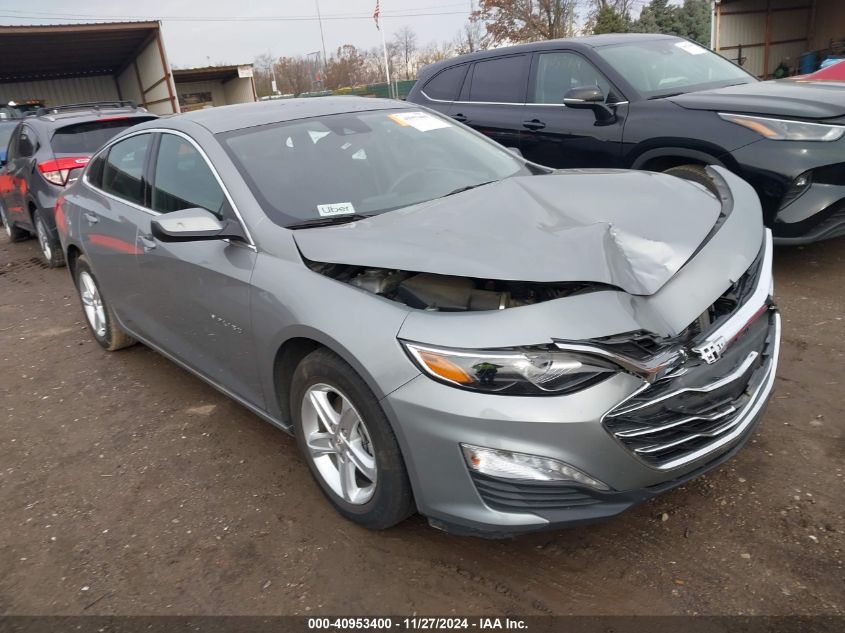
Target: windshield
[88, 137]
[362, 163]
[657, 68]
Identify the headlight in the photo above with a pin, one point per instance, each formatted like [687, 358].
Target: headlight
[521, 371]
[784, 130]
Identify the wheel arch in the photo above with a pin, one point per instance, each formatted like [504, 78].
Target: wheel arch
[667, 156]
[296, 345]
[72, 255]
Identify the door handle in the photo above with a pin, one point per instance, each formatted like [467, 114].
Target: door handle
[147, 242]
[460, 118]
[92, 219]
[534, 124]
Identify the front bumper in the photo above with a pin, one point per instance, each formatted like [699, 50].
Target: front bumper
[818, 211]
[577, 429]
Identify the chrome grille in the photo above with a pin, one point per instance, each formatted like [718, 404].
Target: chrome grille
[702, 407]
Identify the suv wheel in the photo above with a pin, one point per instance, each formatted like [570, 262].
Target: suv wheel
[99, 316]
[348, 443]
[50, 247]
[15, 234]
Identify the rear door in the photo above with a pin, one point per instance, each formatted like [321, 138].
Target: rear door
[493, 98]
[111, 206]
[557, 136]
[195, 300]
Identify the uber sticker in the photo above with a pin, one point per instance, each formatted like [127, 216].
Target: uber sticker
[421, 121]
[338, 208]
[692, 49]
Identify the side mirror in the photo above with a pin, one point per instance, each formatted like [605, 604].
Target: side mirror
[590, 98]
[192, 225]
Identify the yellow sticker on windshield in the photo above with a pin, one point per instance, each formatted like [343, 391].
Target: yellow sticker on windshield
[422, 121]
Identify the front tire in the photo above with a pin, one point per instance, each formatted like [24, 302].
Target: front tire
[98, 315]
[348, 443]
[51, 249]
[15, 234]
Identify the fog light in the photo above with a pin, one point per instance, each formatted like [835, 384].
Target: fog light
[796, 188]
[509, 465]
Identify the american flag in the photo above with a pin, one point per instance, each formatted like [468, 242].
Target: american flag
[376, 14]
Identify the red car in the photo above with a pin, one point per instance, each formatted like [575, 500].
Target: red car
[834, 72]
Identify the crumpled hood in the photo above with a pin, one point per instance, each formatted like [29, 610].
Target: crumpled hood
[633, 230]
[772, 98]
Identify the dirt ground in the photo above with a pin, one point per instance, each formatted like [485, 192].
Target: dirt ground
[127, 486]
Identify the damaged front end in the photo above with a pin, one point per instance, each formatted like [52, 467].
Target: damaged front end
[449, 293]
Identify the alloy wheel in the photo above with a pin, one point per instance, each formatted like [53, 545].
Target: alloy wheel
[92, 302]
[6, 222]
[339, 444]
[43, 239]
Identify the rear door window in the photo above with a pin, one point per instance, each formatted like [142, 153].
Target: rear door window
[123, 170]
[86, 138]
[501, 80]
[446, 84]
[183, 179]
[27, 142]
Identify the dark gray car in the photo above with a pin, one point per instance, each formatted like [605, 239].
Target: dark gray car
[444, 326]
[47, 152]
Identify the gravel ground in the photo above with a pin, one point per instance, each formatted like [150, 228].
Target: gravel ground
[127, 486]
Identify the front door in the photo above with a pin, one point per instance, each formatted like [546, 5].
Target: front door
[196, 294]
[561, 137]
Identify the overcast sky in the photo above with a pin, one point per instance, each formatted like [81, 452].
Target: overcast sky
[200, 42]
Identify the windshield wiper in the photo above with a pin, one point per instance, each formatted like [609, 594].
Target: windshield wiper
[332, 221]
[467, 188]
[666, 96]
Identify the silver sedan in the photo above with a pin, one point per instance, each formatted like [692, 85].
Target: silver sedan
[445, 327]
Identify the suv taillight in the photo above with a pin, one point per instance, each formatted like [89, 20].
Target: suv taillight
[58, 170]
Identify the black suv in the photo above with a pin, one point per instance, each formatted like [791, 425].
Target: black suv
[46, 152]
[658, 103]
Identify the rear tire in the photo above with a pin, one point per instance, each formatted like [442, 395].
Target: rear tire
[51, 249]
[15, 234]
[694, 173]
[358, 464]
[98, 315]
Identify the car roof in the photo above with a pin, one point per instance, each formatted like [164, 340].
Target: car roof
[244, 115]
[573, 43]
[54, 120]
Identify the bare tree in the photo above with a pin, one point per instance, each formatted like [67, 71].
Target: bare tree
[294, 75]
[472, 37]
[435, 52]
[345, 69]
[405, 44]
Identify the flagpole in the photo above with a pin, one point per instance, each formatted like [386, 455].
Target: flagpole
[377, 16]
[386, 66]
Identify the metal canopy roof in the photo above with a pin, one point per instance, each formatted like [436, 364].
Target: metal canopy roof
[30, 53]
[207, 73]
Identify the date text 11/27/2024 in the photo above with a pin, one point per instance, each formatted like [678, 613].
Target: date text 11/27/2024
[417, 623]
